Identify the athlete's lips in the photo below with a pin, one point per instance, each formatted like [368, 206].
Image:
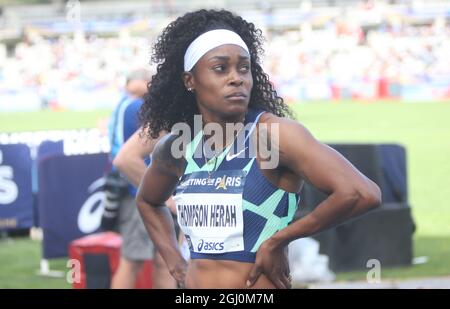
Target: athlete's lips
[236, 95]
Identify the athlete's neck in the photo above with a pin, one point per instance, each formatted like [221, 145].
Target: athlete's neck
[221, 132]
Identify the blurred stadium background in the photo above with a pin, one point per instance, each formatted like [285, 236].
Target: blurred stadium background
[370, 72]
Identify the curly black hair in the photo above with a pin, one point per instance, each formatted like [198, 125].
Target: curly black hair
[168, 102]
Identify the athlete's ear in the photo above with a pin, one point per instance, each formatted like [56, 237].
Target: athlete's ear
[188, 80]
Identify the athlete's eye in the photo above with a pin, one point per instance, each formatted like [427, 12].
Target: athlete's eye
[244, 68]
[219, 68]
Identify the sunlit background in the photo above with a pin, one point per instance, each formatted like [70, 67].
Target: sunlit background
[355, 72]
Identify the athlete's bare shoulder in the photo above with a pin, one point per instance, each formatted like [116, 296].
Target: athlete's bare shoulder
[167, 157]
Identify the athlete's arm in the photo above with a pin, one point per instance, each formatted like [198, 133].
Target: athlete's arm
[158, 184]
[350, 192]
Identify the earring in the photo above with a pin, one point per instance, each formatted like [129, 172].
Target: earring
[189, 89]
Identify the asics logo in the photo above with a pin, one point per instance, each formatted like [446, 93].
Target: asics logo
[210, 246]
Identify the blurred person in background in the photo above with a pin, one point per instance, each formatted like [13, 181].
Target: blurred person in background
[131, 162]
[136, 245]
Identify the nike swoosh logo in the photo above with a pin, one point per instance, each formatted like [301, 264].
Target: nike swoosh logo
[231, 157]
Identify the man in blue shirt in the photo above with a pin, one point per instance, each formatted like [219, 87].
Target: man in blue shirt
[136, 245]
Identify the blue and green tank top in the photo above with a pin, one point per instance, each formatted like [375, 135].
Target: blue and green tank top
[226, 207]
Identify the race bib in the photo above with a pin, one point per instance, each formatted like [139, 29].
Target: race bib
[209, 211]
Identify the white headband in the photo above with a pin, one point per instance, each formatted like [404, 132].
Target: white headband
[207, 41]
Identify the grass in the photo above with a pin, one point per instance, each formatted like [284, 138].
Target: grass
[19, 258]
[50, 120]
[423, 128]
[437, 250]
